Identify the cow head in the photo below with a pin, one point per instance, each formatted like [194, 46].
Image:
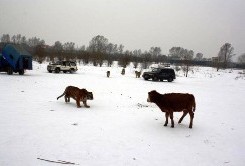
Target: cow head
[152, 96]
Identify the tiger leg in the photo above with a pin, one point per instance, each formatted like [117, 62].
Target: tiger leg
[78, 102]
[66, 98]
[85, 104]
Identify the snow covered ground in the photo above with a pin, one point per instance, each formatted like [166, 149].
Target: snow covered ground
[121, 128]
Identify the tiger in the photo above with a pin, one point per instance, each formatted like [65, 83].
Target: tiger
[78, 95]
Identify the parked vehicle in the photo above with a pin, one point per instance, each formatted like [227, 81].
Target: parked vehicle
[161, 74]
[65, 66]
[15, 58]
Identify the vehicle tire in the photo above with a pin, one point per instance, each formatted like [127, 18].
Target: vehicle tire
[64, 71]
[21, 72]
[161, 80]
[170, 79]
[155, 78]
[146, 77]
[10, 71]
[57, 70]
[72, 70]
[50, 71]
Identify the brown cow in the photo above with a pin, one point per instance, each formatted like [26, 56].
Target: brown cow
[174, 102]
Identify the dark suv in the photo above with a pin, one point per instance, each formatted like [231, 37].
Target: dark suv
[160, 74]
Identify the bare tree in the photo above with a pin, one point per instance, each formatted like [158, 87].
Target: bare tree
[176, 52]
[109, 51]
[5, 38]
[34, 41]
[184, 55]
[187, 57]
[69, 48]
[125, 59]
[58, 50]
[241, 60]
[98, 44]
[199, 56]
[82, 48]
[23, 40]
[136, 57]
[225, 54]
[146, 59]
[18, 38]
[98, 47]
[40, 53]
[13, 38]
[120, 49]
[58, 46]
[84, 56]
[155, 53]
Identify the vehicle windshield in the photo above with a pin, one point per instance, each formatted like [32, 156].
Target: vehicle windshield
[155, 70]
[55, 63]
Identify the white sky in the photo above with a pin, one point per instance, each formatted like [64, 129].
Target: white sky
[201, 25]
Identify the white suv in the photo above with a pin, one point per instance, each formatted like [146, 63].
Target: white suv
[65, 66]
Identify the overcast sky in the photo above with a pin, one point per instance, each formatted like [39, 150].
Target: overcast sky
[200, 25]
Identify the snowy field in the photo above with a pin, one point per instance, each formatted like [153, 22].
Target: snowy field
[121, 128]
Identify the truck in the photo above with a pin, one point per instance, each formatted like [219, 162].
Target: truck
[15, 59]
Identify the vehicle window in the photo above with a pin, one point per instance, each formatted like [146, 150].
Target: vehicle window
[155, 69]
[57, 63]
[73, 64]
[164, 71]
[170, 71]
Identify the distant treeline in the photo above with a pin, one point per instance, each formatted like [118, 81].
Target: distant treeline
[101, 51]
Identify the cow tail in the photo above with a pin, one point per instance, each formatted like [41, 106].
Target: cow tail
[194, 104]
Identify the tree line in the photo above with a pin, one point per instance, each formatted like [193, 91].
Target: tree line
[100, 51]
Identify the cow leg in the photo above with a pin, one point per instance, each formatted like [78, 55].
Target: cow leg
[166, 116]
[184, 114]
[191, 118]
[172, 119]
